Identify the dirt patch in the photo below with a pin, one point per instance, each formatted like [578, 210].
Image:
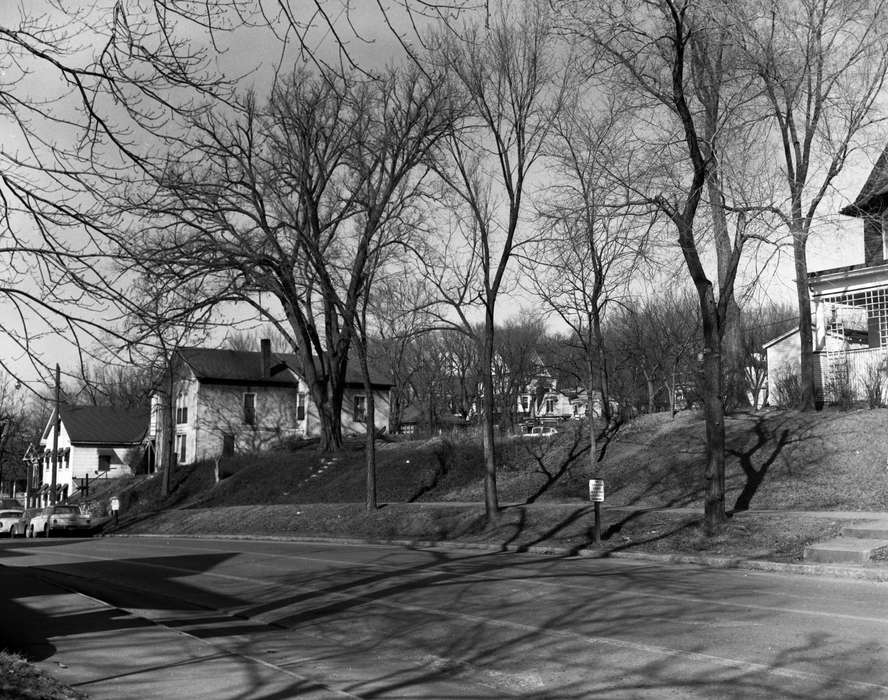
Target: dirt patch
[21, 680]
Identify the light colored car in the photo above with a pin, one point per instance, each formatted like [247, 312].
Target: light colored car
[58, 519]
[12, 523]
[541, 431]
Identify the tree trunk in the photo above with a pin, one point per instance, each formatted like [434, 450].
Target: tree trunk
[804, 299]
[369, 430]
[330, 421]
[603, 379]
[166, 448]
[593, 442]
[714, 476]
[491, 501]
[731, 332]
[736, 396]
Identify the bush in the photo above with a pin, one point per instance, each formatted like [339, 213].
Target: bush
[840, 390]
[787, 388]
[874, 383]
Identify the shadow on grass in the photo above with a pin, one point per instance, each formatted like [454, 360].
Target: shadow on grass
[579, 448]
[754, 477]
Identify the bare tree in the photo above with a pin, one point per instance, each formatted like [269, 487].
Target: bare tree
[761, 323]
[821, 66]
[291, 203]
[656, 341]
[649, 48]
[81, 84]
[591, 248]
[504, 72]
[518, 362]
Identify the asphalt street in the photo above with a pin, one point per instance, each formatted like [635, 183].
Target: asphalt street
[214, 618]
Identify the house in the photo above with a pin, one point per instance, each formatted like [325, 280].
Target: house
[227, 401]
[849, 307]
[94, 442]
[543, 399]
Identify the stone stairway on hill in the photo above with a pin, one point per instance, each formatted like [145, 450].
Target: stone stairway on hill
[858, 544]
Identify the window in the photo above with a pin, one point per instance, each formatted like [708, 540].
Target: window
[525, 403]
[104, 463]
[300, 406]
[227, 444]
[250, 409]
[181, 410]
[550, 405]
[360, 409]
[180, 448]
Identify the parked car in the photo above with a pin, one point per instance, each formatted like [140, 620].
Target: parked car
[57, 519]
[541, 431]
[12, 522]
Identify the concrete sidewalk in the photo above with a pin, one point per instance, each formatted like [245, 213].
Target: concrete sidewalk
[101, 650]
[682, 510]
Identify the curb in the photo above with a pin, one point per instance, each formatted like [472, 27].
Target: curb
[858, 573]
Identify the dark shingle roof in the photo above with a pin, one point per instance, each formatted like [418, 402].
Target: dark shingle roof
[105, 424]
[245, 367]
[874, 189]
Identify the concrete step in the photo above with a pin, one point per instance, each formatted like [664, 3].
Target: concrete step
[877, 530]
[845, 550]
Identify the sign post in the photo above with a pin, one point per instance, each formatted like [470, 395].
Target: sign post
[115, 507]
[596, 495]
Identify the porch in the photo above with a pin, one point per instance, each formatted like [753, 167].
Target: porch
[850, 307]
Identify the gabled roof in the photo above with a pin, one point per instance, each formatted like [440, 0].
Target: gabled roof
[102, 425]
[236, 366]
[245, 367]
[874, 191]
[782, 336]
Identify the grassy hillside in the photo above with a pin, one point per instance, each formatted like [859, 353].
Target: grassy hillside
[777, 460]
[780, 460]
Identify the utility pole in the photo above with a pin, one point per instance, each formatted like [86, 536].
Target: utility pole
[55, 436]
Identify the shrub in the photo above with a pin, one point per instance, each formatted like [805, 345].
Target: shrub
[787, 388]
[874, 383]
[840, 389]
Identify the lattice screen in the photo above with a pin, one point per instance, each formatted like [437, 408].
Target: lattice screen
[863, 314]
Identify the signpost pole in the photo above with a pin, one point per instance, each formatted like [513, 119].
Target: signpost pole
[596, 529]
[55, 438]
[596, 495]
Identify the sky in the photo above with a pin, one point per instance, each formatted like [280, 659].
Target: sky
[837, 240]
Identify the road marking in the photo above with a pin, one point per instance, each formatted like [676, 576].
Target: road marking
[656, 650]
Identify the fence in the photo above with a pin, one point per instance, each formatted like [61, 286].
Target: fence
[850, 370]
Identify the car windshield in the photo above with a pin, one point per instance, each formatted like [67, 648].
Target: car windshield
[10, 514]
[66, 510]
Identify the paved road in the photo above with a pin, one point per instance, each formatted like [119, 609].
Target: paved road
[171, 618]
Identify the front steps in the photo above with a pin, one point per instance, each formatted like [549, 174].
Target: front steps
[858, 544]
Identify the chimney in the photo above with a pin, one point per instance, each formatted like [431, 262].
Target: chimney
[265, 345]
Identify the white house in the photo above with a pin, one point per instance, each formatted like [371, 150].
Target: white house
[228, 401]
[94, 442]
[849, 306]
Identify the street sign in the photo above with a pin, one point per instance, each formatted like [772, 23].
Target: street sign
[596, 490]
[115, 503]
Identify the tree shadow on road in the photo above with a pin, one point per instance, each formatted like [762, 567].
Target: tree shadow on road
[383, 622]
